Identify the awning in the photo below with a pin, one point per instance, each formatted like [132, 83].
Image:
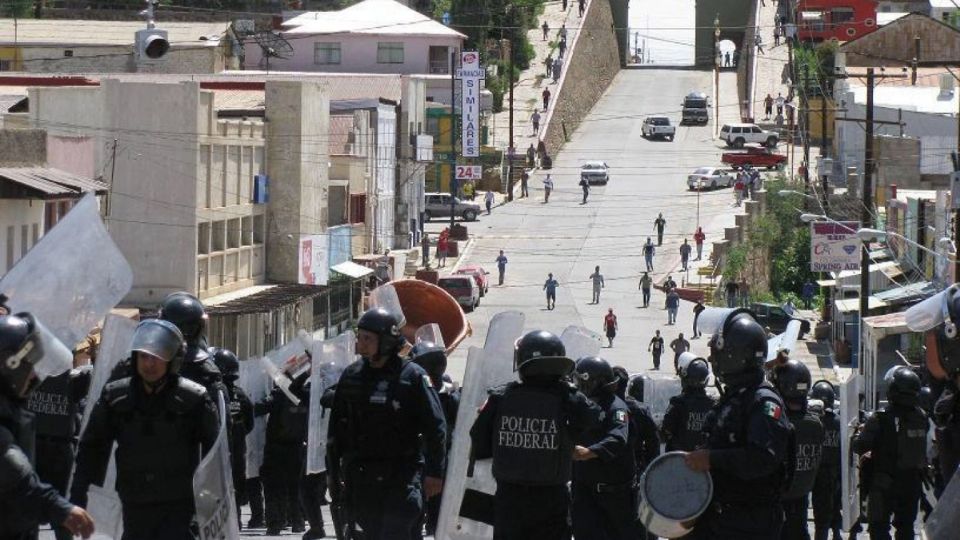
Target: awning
[264, 299]
[891, 269]
[827, 282]
[890, 323]
[848, 305]
[908, 293]
[45, 183]
[352, 269]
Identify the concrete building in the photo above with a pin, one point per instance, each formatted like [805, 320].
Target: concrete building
[82, 46]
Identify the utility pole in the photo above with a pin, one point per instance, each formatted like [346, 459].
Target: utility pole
[805, 129]
[511, 151]
[824, 178]
[866, 192]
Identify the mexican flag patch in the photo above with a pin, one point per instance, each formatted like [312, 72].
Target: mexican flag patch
[772, 410]
[620, 416]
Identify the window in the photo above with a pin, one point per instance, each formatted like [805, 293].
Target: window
[358, 207]
[68, 53]
[841, 15]
[327, 53]
[6, 65]
[755, 129]
[390, 52]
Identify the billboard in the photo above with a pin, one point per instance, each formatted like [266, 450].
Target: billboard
[834, 247]
[314, 266]
[470, 75]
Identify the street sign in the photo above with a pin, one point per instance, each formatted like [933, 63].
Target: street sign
[834, 247]
[469, 172]
[470, 74]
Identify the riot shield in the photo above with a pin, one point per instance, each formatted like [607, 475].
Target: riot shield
[785, 341]
[257, 384]
[72, 277]
[580, 342]
[711, 319]
[467, 503]
[944, 522]
[330, 358]
[849, 473]
[429, 332]
[657, 391]
[929, 313]
[385, 296]
[216, 508]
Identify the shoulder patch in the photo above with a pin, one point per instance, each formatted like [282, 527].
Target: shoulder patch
[620, 416]
[426, 381]
[772, 410]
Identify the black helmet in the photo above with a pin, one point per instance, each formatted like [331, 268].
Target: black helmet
[635, 386]
[792, 380]
[926, 400]
[825, 392]
[903, 386]
[432, 358]
[160, 338]
[386, 325]
[184, 310]
[594, 375]
[738, 351]
[695, 374]
[227, 362]
[948, 340]
[18, 354]
[540, 353]
[622, 378]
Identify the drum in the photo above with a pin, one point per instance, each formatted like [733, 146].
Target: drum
[673, 496]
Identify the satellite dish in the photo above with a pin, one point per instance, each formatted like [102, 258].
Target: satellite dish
[273, 45]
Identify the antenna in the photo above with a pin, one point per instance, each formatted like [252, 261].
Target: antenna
[273, 45]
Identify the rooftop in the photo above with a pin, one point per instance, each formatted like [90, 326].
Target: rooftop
[371, 17]
[924, 99]
[111, 33]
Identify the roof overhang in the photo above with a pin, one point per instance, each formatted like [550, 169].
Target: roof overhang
[352, 270]
[45, 183]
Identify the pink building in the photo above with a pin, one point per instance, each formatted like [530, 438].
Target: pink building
[374, 36]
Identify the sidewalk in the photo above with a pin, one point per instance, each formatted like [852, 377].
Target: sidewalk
[772, 75]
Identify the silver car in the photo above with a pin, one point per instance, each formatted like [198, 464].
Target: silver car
[438, 205]
[709, 178]
[595, 172]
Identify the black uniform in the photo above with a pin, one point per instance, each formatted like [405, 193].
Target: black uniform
[604, 507]
[450, 403]
[946, 414]
[387, 430]
[197, 366]
[826, 488]
[644, 435]
[25, 501]
[808, 448]
[528, 429]
[896, 437]
[240, 417]
[683, 423]
[748, 435]
[159, 440]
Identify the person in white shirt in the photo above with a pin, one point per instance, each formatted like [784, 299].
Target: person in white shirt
[547, 188]
[488, 200]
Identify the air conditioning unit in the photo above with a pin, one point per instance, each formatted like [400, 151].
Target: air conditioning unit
[946, 86]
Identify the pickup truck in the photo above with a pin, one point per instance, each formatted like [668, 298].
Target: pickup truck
[657, 127]
[755, 157]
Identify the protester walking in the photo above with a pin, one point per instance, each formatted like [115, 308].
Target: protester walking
[698, 238]
[685, 250]
[531, 156]
[524, 180]
[768, 106]
[597, 278]
[557, 69]
[548, 63]
[550, 285]
[648, 251]
[501, 265]
[585, 186]
[659, 224]
[731, 289]
[656, 347]
[645, 284]
[678, 346]
[582, 6]
[442, 244]
[547, 188]
[488, 201]
[780, 103]
[535, 120]
[758, 41]
[809, 290]
[673, 304]
[546, 98]
[562, 47]
[610, 327]
[546, 30]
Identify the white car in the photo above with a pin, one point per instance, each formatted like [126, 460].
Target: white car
[736, 135]
[595, 172]
[658, 127]
[709, 178]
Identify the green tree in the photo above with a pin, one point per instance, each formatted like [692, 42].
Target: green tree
[16, 8]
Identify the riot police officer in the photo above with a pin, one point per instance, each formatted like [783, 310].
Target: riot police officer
[683, 422]
[792, 380]
[25, 501]
[896, 438]
[644, 434]
[529, 428]
[826, 489]
[162, 424]
[239, 417]
[747, 438]
[946, 411]
[387, 431]
[604, 471]
[433, 359]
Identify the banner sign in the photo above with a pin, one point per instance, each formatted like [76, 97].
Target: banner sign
[470, 74]
[834, 247]
[314, 269]
[469, 172]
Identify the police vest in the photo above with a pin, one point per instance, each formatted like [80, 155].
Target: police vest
[694, 408]
[903, 443]
[531, 445]
[288, 421]
[808, 451]
[831, 439]
[52, 404]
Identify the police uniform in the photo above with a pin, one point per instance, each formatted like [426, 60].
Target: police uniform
[387, 430]
[604, 505]
[160, 438]
[683, 423]
[807, 452]
[826, 488]
[946, 414]
[240, 417]
[449, 396]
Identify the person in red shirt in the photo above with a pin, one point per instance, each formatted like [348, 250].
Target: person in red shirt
[698, 238]
[442, 244]
[610, 327]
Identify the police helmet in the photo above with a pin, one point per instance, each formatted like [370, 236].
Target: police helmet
[903, 386]
[926, 401]
[18, 354]
[540, 353]
[432, 358]
[186, 311]
[384, 324]
[825, 392]
[635, 386]
[622, 378]
[948, 342]
[792, 380]
[162, 339]
[695, 374]
[594, 375]
[227, 362]
[738, 350]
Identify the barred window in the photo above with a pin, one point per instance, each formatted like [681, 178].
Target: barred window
[326, 53]
[390, 52]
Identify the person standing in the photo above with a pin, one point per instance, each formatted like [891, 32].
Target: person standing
[562, 33]
[535, 120]
[648, 251]
[524, 180]
[698, 239]
[488, 200]
[546, 98]
[582, 6]
[684, 421]
[387, 434]
[561, 48]
[669, 283]
[532, 498]
[547, 188]
[501, 265]
[758, 41]
[697, 310]
[776, 36]
[678, 346]
[610, 327]
[556, 69]
[826, 489]
[597, 278]
[731, 289]
[531, 156]
[685, 250]
[546, 30]
[240, 420]
[673, 305]
[550, 285]
[425, 250]
[808, 292]
[548, 63]
[780, 102]
[564, 5]
[744, 293]
[656, 348]
[645, 284]
[726, 59]
[768, 106]
[658, 225]
[442, 244]
[585, 186]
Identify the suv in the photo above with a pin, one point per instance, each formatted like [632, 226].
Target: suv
[655, 127]
[776, 318]
[695, 107]
[438, 205]
[736, 135]
[463, 289]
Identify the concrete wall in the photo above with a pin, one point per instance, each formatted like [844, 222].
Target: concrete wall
[20, 147]
[621, 10]
[74, 155]
[733, 14]
[117, 59]
[21, 225]
[410, 182]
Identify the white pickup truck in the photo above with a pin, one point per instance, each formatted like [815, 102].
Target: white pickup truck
[658, 127]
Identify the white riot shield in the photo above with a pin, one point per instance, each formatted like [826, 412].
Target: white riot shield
[944, 522]
[929, 313]
[469, 486]
[72, 277]
[849, 473]
[385, 296]
[785, 341]
[257, 384]
[580, 342]
[213, 492]
[429, 332]
[657, 391]
[711, 319]
[330, 358]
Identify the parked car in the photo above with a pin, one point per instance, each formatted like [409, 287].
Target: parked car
[595, 172]
[658, 127]
[755, 157]
[776, 318]
[695, 109]
[736, 135]
[709, 178]
[463, 289]
[479, 275]
[438, 205]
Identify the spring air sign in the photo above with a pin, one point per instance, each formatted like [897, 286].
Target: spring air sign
[834, 247]
[470, 75]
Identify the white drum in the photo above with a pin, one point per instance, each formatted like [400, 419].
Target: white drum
[673, 496]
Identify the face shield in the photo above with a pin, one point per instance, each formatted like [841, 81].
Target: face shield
[157, 338]
[40, 356]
